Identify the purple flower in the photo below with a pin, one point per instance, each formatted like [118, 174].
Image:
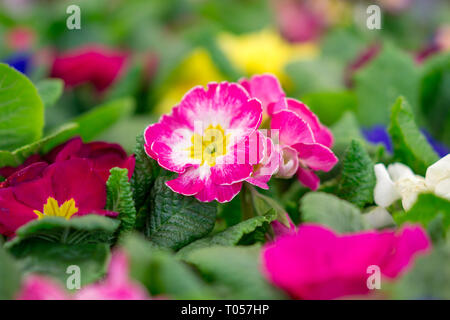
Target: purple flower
[19, 61]
[378, 135]
[440, 148]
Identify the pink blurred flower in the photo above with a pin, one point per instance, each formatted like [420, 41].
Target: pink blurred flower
[207, 140]
[20, 39]
[92, 64]
[299, 21]
[116, 286]
[316, 263]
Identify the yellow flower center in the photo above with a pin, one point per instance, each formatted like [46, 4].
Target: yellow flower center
[52, 209]
[211, 145]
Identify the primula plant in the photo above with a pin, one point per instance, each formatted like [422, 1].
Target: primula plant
[267, 152]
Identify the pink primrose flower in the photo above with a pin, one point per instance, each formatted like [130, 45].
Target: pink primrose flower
[316, 263]
[211, 140]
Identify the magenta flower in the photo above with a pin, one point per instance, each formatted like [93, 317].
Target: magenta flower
[92, 64]
[104, 156]
[266, 88]
[316, 263]
[116, 286]
[65, 189]
[208, 139]
[303, 142]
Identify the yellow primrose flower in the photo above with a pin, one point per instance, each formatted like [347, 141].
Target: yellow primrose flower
[264, 51]
[197, 69]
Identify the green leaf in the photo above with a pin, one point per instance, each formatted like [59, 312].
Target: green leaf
[128, 84]
[315, 75]
[161, 272]
[94, 122]
[78, 230]
[176, 220]
[230, 213]
[21, 110]
[329, 210]
[9, 276]
[329, 106]
[264, 204]
[410, 146]
[18, 156]
[145, 172]
[344, 131]
[120, 198]
[425, 211]
[428, 279]
[391, 74]
[435, 96]
[234, 271]
[343, 45]
[233, 235]
[50, 90]
[49, 245]
[358, 176]
[53, 259]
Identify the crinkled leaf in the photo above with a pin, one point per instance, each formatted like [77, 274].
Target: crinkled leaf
[50, 90]
[120, 198]
[234, 271]
[176, 220]
[358, 176]
[410, 146]
[78, 230]
[21, 110]
[145, 172]
[233, 235]
[329, 210]
[161, 272]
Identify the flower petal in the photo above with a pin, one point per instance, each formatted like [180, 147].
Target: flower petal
[385, 192]
[222, 194]
[288, 162]
[308, 178]
[291, 129]
[438, 171]
[321, 133]
[316, 156]
[265, 87]
[189, 182]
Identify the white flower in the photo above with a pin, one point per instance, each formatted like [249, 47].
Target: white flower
[400, 182]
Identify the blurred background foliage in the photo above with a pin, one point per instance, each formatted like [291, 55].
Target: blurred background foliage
[322, 51]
